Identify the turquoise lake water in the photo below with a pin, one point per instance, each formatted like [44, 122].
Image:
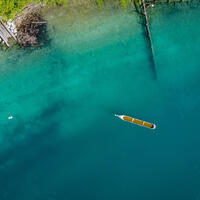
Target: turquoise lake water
[64, 141]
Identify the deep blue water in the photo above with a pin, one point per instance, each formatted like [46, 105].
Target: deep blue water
[64, 141]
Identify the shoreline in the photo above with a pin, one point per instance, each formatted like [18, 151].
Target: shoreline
[28, 29]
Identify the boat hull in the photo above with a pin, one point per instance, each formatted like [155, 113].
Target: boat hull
[137, 121]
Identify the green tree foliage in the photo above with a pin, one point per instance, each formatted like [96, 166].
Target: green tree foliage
[9, 8]
[99, 3]
[123, 3]
[53, 2]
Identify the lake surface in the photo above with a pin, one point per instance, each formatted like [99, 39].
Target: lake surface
[64, 141]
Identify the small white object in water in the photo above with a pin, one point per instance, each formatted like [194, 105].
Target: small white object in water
[152, 5]
[10, 117]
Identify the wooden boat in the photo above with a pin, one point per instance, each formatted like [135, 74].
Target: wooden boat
[136, 121]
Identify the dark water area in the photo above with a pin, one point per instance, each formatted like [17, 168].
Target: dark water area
[64, 141]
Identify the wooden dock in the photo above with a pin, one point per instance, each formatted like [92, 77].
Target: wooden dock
[6, 34]
[149, 38]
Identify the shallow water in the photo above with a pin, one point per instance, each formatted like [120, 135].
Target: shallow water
[64, 141]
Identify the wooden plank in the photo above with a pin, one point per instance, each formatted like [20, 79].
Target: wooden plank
[149, 37]
[5, 33]
[11, 34]
[3, 36]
